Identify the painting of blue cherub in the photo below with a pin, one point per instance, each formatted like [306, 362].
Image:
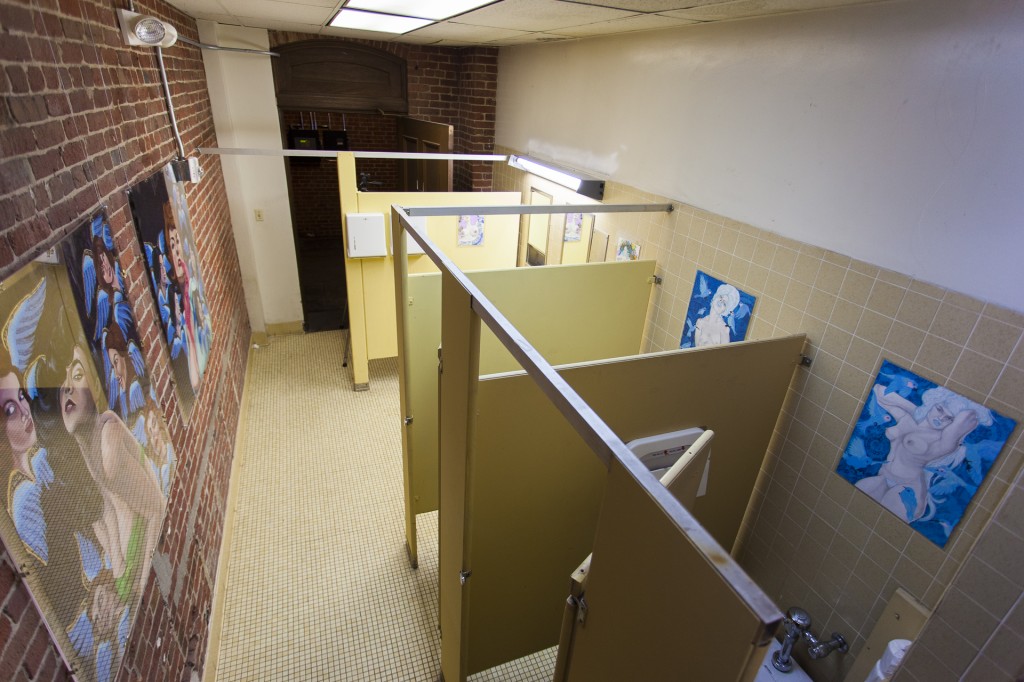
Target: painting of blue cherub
[921, 450]
[718, 313]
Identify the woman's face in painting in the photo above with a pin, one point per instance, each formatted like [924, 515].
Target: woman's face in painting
[157, 442]
[20, 428]
[119, 367]
[76, 399]
[175, 251]
[939, 417]
[720, 304]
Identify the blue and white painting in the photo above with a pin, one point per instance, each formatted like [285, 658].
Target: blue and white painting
[718, 313]
[573, 227]
[470, 230]
[921, 450]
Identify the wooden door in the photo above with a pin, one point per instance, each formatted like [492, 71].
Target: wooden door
[425, 137]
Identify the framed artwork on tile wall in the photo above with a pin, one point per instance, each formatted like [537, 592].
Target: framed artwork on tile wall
[921, 450]
[86, 452]
[573, 227]
[161, 218]
[470, 230]
[627, 250]
[718, 313]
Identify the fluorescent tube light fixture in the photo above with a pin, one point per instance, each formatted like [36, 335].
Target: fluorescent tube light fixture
[585, 186]
[372, 21]
[427, 9]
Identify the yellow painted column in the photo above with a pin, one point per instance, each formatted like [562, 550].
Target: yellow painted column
[353, 275]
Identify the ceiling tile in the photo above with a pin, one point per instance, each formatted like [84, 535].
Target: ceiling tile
[640, 22]
[201, 9]
[530, 38]
[452, 30]
[558, 18]
[539, 15]
[278, 25]
[280, 11]
[741, 9]
[646, 6]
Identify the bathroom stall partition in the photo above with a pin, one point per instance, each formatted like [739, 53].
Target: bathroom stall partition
[568, 313]
[370, 281]
[534, 476]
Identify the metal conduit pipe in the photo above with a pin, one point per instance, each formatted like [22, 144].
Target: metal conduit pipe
[170, 104]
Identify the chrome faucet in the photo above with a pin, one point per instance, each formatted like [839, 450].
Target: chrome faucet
[798, 624]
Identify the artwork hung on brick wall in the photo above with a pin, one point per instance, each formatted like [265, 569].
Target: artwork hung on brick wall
[161, 218]
[470, 231]
[718, 313]
[85, 449]
[921, 450]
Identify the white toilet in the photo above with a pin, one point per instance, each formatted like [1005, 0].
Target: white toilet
[768, 673]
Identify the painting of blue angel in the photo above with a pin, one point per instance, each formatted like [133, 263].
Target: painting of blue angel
[718, 313]
[85, 450]
[921, 450]
[161, 219]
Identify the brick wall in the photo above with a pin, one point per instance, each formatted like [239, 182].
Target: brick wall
[455, 86]
[83, 119]
[316, 206]
[478, 89]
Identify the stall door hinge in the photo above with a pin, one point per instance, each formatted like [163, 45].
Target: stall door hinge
[464, 576]
[407, 421]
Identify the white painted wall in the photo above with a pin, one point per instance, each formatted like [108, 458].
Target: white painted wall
[245, 115]
[891, 133]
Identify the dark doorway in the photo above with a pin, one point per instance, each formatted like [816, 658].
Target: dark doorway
[316, 204]
[331, 97]
[316, 220]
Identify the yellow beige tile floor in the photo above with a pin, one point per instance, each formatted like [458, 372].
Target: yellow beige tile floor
[319, 586]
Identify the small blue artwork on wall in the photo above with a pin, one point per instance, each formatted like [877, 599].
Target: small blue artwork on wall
[921, 450]
[718, 313]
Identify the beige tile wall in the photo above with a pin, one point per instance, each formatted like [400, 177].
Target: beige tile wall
[811, 539]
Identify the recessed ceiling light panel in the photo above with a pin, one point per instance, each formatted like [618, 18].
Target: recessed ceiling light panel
[371, 21]
[428, 9]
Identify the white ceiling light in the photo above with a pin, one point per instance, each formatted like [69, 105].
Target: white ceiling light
[371, 21]
[428, 9]
[574, 180]
[140, 29]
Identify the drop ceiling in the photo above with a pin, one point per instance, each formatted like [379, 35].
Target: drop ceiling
[505, 22]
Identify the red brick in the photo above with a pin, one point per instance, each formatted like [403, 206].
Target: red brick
[16, 19]
[45, 165]
[27, 108]
[17, 76]
[36, 651]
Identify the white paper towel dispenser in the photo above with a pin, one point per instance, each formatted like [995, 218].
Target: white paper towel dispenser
[366, 235]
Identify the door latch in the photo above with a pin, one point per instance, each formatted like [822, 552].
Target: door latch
[581, 610]
[464, 576]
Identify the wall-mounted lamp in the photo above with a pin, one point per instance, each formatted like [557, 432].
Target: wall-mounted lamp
[588, 187]
[140, 29]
